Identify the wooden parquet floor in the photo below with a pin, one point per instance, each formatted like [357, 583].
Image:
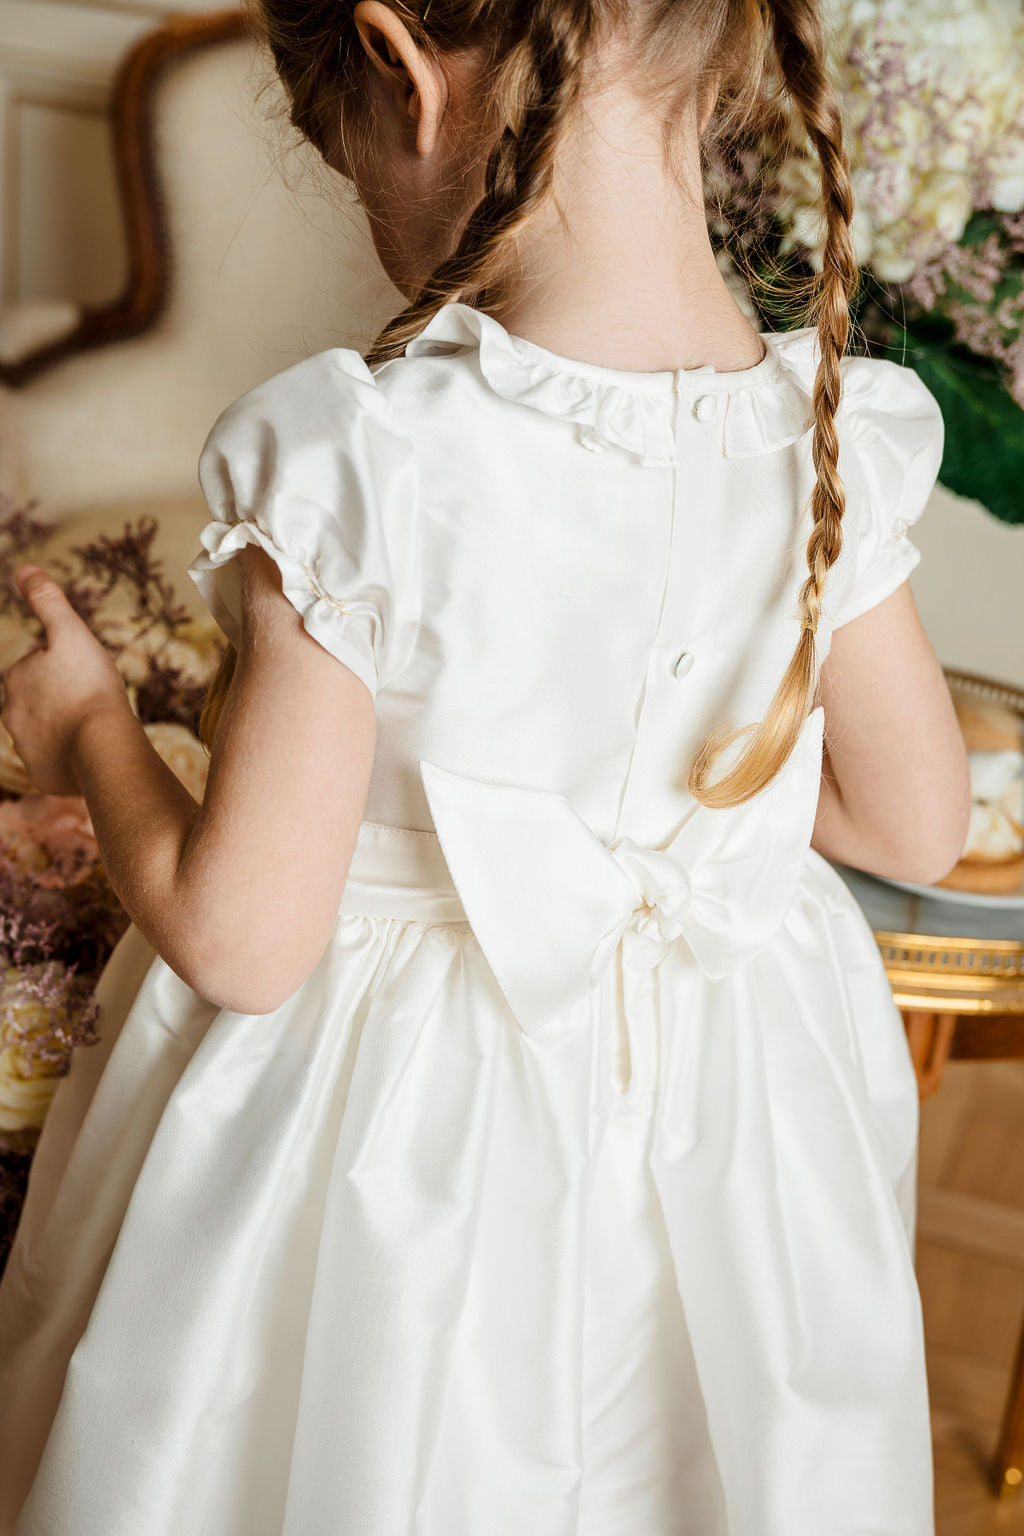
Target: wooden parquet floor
[970, 1267]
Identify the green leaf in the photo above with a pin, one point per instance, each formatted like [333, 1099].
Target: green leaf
[982, 223]
[984, 447]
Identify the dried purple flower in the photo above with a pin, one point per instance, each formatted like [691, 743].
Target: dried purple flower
[20, 532]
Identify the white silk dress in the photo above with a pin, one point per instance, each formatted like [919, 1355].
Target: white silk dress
[573, 1191]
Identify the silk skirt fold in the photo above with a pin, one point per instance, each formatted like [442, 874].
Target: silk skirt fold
[381, 1262]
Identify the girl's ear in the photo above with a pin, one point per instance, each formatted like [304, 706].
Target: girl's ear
[709, 101]
[417, 85]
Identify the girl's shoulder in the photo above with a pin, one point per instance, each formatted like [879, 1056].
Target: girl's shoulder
[885, 407]
[891, 435]
[312, 466]
[889, 424]
[873, 387]
[330, 390]
[321, 433]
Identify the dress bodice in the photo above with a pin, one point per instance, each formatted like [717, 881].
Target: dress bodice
[557, 579]
[552, 573]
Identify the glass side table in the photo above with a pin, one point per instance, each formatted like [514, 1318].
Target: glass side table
[957, 974]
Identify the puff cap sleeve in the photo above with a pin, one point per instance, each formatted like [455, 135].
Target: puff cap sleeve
[890, 452]
[310, 466]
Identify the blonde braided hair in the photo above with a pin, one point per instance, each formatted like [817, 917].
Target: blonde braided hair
[800, 40]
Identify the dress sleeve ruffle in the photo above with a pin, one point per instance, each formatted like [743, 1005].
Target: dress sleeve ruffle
[890, 453]
[310, 466]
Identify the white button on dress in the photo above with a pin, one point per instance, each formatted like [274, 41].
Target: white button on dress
[572, 1191]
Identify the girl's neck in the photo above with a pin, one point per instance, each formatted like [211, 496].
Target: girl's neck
[618, 268]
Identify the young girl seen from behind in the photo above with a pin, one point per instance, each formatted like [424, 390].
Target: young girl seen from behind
[502, 1124]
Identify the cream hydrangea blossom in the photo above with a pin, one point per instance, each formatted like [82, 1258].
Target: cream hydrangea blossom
[933, 100]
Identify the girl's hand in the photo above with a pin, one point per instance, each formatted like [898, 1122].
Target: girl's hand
[49, 692]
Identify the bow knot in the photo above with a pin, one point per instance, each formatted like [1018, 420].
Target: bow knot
[549, 901]
[664, 888]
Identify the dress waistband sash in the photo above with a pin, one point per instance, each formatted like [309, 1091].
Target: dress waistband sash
[548, 900]
[398, 872]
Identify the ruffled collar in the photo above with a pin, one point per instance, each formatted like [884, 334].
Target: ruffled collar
[748, 412]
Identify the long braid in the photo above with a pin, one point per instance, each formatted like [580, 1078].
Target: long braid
[540, 78]
[801, 44]
[801, 47]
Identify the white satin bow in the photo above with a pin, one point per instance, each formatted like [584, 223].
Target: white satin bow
[548, 900]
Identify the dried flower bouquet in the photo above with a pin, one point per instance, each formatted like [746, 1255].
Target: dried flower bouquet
[59, 918]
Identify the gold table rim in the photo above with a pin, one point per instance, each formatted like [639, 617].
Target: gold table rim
[936, 988]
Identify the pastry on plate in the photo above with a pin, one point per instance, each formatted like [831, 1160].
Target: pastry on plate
[993, 856]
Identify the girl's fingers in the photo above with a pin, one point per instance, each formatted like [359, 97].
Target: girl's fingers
[45, 597]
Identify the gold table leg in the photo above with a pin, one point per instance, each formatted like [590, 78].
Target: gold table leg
[1008, 1468]
[930, 1036]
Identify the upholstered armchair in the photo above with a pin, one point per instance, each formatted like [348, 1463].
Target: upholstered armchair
[245, 254]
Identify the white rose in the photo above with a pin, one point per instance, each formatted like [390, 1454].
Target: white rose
[1006, 187]
[184, 755]
[891, 261]
[945, 202]
[26, 1087]
[862, 233]
[1007, 193]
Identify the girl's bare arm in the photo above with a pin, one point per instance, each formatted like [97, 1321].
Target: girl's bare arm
[895, 790]
[238, 895]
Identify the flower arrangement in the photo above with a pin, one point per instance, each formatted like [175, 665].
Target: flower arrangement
[933, 106]
[59, 917]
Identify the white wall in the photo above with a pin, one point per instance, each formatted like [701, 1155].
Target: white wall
[969, 586]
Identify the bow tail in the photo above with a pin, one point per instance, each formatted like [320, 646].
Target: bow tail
[544, 897]
[548, 901]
